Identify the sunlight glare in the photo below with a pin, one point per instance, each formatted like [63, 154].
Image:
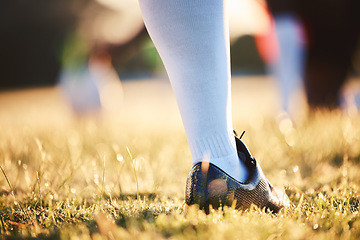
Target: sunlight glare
[119, 157]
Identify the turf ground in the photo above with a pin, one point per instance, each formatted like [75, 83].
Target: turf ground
[121, 174]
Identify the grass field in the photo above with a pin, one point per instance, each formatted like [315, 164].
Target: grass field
[121, 175]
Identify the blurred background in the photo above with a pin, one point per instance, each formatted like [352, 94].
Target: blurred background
[88, 47]
[63, 59]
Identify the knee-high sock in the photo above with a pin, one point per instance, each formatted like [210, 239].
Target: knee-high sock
[192, 40]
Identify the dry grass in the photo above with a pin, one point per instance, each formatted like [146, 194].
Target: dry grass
[73, 177]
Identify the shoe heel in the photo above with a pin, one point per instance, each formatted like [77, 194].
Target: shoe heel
[196, 185]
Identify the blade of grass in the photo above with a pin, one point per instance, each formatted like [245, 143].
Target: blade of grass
[136, 178]
[12, 192]
[103, 179]
[38, 178]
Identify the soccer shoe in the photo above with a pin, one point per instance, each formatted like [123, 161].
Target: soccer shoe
[208, 185]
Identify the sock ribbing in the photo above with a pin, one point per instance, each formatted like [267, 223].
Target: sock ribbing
[215, 146]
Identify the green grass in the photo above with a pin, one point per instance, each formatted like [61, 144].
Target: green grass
[92, 178]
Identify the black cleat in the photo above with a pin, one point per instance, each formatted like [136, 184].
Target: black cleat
[209, 185]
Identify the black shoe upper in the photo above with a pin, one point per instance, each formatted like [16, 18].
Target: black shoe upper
[209, 185]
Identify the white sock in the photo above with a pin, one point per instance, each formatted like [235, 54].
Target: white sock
[192, 40]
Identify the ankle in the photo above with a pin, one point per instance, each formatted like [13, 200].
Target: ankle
[232, 166]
